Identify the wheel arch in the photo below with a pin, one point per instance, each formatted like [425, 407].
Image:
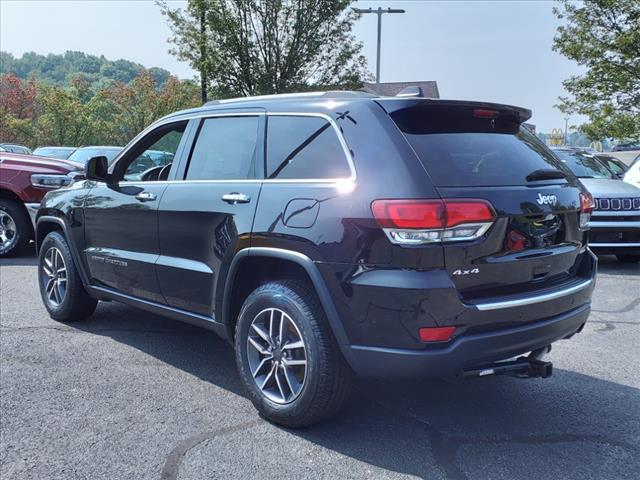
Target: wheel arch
[291, 264]
[9, 194]
[50, 223]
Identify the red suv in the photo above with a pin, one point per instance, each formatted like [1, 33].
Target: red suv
[24, 180]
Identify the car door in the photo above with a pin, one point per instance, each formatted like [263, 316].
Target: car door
[121, 216]
[206, 217]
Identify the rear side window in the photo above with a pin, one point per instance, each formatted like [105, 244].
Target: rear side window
[457, 152]
[225, 149]
[304, 148]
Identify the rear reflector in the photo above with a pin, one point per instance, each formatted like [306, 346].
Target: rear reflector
[436, 334]
[413, 222]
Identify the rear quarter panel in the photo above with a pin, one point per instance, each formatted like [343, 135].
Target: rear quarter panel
[344, 230]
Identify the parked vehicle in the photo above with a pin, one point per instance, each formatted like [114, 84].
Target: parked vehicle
[615, 222]
[618, 167]
[82, 154]
[13, 148]
[632, 176]
[61, 153]
[331, 234]
[625, 147]
[24, 180]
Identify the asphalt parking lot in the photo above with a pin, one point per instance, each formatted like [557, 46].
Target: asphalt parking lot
[132, 395]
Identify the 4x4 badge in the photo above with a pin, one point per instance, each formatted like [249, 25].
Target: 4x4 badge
[547, 199]
[466, 272]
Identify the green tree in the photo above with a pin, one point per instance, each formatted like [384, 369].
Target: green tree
[604, 37]
[251, 47]
[66, 120]
[62, 69]
[127, 109]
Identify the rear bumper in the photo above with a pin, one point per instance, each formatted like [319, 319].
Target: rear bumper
[616, 248]
[619, 236]
[385, 308]
[467, 350]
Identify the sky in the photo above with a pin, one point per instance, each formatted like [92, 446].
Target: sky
[498, 51]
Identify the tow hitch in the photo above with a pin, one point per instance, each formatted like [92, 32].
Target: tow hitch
[530, 366]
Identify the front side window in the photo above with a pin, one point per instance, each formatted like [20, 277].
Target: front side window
[152, 157]
[225, 149]
[304, 148]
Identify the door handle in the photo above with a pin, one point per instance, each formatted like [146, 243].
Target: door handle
[235, 197]
[146, 196]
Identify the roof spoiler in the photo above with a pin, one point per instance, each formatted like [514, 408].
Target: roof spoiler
[394, 104]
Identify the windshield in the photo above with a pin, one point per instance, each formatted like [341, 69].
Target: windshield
[82, 155]
[584, 165]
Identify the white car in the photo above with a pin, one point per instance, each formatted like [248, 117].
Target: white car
[633, 174]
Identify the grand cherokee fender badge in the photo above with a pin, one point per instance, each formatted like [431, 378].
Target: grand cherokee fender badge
[547, 199]
[470, 271]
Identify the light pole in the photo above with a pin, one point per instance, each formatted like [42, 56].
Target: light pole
[566, 127]
[379, 11]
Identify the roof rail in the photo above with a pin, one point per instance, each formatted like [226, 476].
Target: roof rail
[285, 96]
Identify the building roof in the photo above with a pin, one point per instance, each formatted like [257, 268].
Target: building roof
[391, 89]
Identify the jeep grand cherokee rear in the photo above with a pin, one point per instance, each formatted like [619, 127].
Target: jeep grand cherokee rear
[487, 262]
[326, 234]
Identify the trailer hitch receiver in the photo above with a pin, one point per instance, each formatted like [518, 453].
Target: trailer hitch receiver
[530, 366]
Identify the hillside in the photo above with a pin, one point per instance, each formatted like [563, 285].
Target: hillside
[61, 69]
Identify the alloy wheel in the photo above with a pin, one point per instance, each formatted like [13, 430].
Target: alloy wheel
[8, 231]
[55, 276]
[277, 355]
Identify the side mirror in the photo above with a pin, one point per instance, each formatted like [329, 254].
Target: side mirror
[97, 168]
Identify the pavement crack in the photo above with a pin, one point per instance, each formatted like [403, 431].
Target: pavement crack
[175, 457]
[608, 326]
[632, 305]
[445, 447]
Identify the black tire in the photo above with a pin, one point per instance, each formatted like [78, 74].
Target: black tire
[628, 258]
[327, 380]
[21, 229]
[75, 304]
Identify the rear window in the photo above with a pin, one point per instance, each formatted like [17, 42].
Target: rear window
[462, 151]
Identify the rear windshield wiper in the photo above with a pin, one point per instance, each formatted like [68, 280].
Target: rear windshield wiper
[546, 174]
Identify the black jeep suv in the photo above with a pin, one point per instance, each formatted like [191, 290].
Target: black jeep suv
[331, 234]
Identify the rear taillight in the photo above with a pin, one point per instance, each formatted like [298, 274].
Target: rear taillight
[415, 222]
[586, 208]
